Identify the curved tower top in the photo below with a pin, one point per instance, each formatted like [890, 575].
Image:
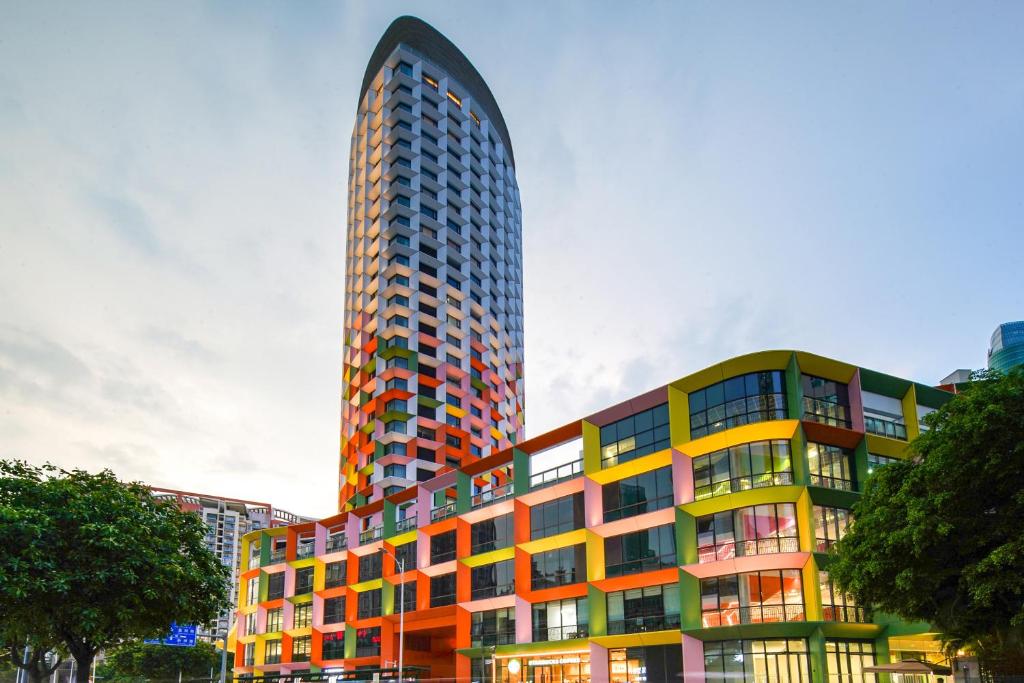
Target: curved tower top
[433, 337]
[418, 36]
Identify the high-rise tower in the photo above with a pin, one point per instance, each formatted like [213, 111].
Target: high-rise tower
[433, 338]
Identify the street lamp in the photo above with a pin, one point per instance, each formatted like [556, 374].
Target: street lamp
[401, 613]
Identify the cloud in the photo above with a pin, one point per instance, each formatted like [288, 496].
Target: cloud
[127, 220]
[36, 369]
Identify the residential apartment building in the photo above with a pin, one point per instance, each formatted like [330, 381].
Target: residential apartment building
[433, 327]
[227, 521]
[690, 537]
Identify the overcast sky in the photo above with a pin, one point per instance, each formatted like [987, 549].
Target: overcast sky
[697, 182]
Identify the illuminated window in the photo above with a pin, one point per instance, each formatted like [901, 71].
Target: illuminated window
[454, 98]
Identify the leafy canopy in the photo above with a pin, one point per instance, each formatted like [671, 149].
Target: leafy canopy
[940, 538]
[92, 561]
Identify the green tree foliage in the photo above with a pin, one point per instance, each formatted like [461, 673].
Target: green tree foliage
[940, 538]
[137, 660]
[90, 562]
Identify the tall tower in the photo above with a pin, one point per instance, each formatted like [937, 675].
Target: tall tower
[433, 338]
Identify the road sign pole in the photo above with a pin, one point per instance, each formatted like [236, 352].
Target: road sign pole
[224, 660]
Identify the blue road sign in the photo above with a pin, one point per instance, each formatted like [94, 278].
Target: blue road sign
[179, 636]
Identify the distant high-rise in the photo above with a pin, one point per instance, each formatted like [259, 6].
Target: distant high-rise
[227, 520]
[1006, 349]
[433, 328]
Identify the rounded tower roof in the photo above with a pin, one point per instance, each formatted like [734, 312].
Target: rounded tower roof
[423, 38]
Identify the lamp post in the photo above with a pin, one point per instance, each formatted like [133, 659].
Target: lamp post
[401, 613]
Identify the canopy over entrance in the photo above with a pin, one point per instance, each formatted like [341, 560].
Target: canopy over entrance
[910, 666]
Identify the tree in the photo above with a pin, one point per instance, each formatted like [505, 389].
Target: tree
[91, 562]
[939, 538]
[140, 660]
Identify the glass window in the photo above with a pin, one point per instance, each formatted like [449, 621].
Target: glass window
[752, 598]
[409, 597]
[491, 534]
[333, 645]
[641, 551]
[876, 461]
[275, 585]
[406, 553]
[492, 580]
[737, 401]
[558, 567]
[561, 620]
[442, 547]
[368, 642]
[301, 647]
[635, 436]
[836, 605]
[556, 516]
[252, 591]
[368, 604]
[631, 496]
[272, 652]
[302, 615]
[442, 590]
[335, 574]
[739, 468]
[830, 466]
[275, 620]
[767, 661]
[826, 401]
[334, 610]
[883, 415]
[654, 608]
[303, 580]
[846, 660]
[493, 627]
[651, 664]
[757, 530]
[370, 567]
[829, 526]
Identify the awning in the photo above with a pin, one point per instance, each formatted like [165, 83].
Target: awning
[909, 666]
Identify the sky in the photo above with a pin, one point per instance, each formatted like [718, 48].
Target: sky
[698, 181]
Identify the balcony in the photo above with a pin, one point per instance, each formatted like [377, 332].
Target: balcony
[567, 632]
[650, 622]
[824, 545]
[305, 550]
[758, 614]
[733, 549]
[493, 495]
[831, 482]
[370, 535]
[737, 484]
[826, 412]
[644, 564]
[887, 428]
[336, 543]
[443, 512]
[493, 638]
[277, 556]
[556, 475]
[405, 524]
[847, 613]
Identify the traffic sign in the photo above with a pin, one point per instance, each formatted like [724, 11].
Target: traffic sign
[179, 636]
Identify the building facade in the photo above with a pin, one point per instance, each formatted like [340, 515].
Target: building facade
[227, 521]
[685, 531]
[1006, 348]
[433, 328]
